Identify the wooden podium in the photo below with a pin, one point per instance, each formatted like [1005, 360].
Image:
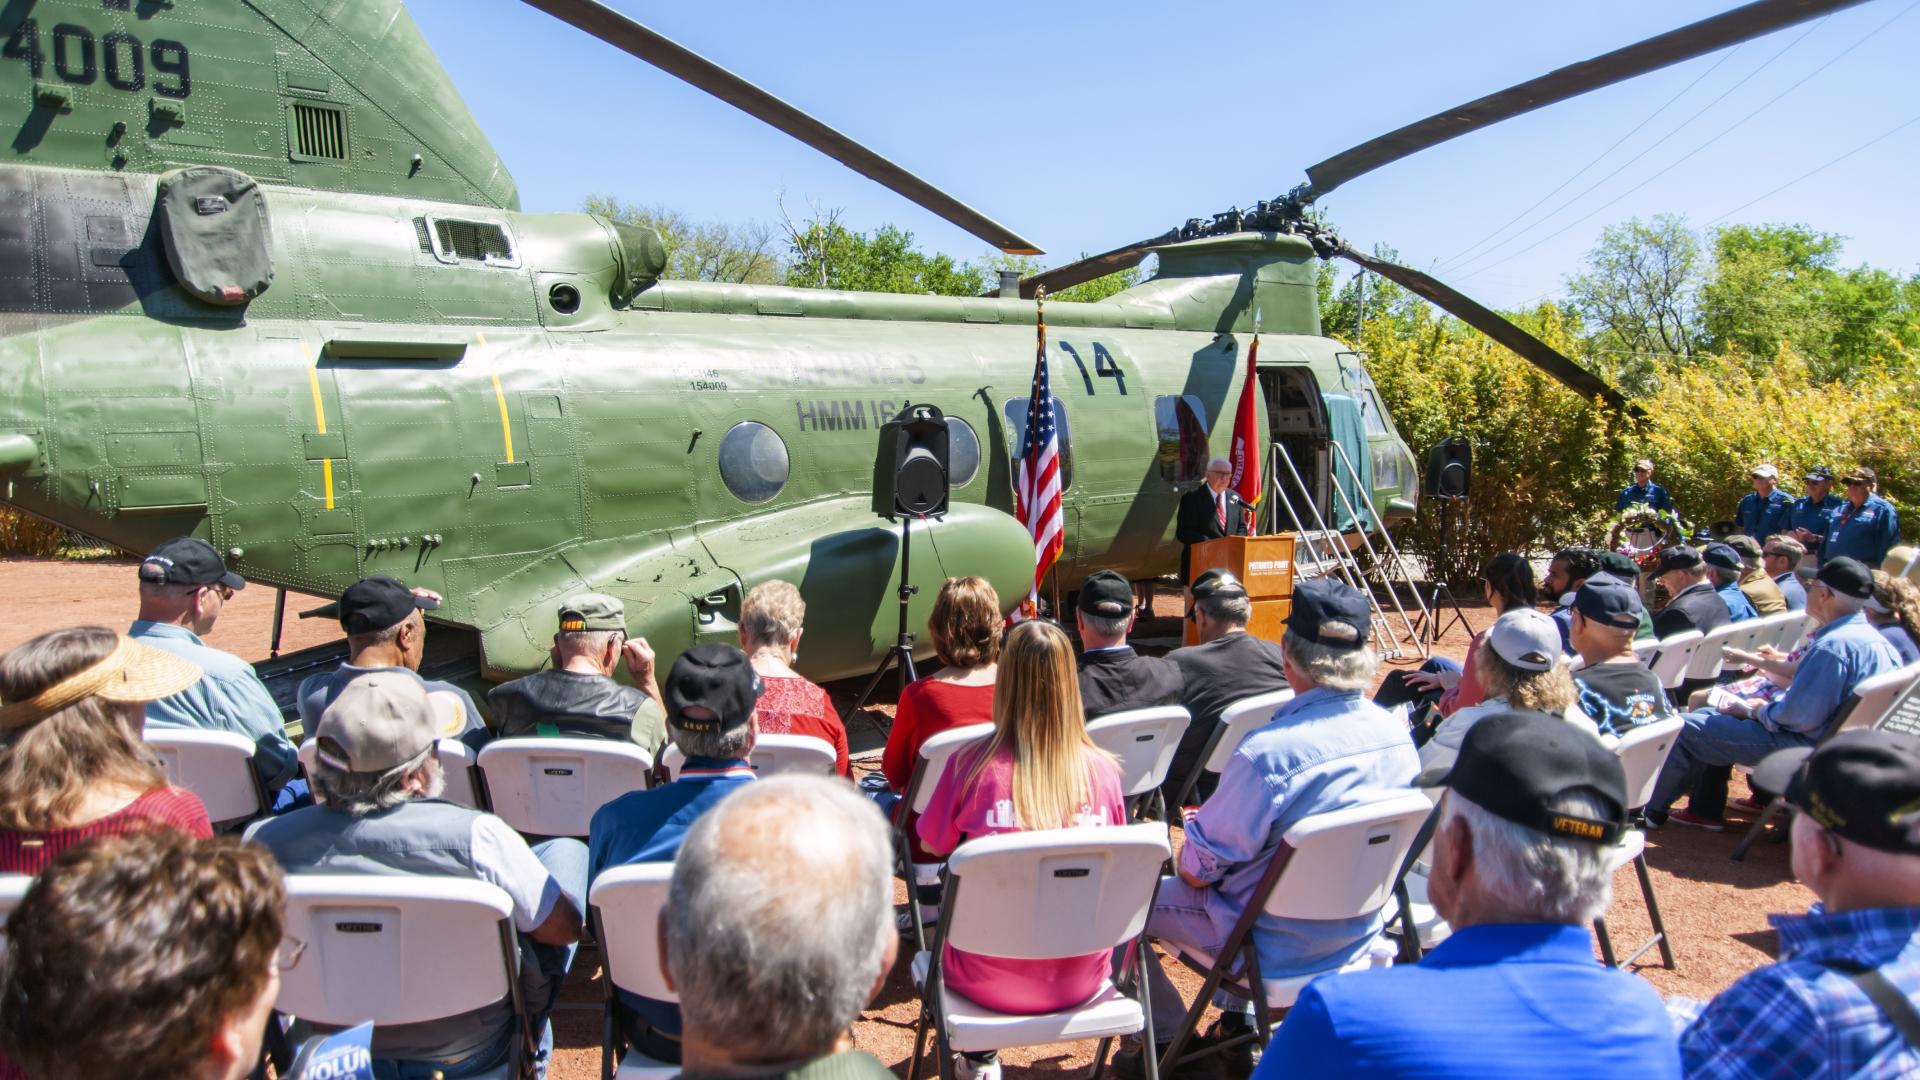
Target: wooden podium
[1264, 564]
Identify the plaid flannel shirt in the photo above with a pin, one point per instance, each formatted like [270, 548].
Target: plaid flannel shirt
[1799, 1018]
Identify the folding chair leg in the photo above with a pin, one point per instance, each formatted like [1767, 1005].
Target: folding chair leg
[919, 1044]
[1759, 826]
[1147, 1059]
[1653, 912]
[1191, 1021]
[1606, 941]
[1100, 1057]
[1410, 951]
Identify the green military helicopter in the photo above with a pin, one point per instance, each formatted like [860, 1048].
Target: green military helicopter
[263, 280]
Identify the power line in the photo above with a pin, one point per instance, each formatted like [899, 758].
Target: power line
[1877, 138]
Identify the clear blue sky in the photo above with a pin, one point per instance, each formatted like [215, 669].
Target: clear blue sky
[1085, 126]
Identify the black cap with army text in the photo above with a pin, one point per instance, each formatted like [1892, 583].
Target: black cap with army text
[1330, 613]
[1516, 765]
[373, 604]
[714, 678]
[1846, 576]
[1863, 785]
[1105, 595]
[188, 560]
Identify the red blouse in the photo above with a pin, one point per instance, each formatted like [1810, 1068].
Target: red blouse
[30, 852]
[791, 705]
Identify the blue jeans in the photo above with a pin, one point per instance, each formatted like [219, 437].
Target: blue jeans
[1179, 915]
[1710, 739]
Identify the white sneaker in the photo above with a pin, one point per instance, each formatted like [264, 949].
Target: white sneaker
[970, 1068]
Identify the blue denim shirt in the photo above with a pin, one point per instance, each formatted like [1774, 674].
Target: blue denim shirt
[1761, 518]
[228, 697]
[1799, 1017]
[1791, 588]
[1738, 606]
[1842, 653]
[1865, 534]
[1813, 516]
[1324, 750]
[1650, 493]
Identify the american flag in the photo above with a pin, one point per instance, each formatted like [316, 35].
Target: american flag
[1037, 488]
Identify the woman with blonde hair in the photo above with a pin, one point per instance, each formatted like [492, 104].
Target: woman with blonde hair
[1894, 610]
[1039, 770]
[771, 618]
[72, 765]
[1519, 665]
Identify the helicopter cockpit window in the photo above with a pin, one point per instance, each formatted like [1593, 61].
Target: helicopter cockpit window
[963, 452]
[753, 462]
[1016, 409]
[1356, 381]
[453, 241]
[1181, 421]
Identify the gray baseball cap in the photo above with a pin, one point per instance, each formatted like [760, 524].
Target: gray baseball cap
[591, 611]
[379, 721]
[1525, 638]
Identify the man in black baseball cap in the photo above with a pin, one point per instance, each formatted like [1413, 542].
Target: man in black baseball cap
[1616, 689]
[1840, 1000]
[1694, 605]
[1521, 864]
[1226, 665]
[1113, 677]
[1723, 571]
[184, 586]
[387, 631]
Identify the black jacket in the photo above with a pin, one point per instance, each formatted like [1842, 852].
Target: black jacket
[1198, 523]
[1214, 675]
[573, 704]
[1115, 680]
[1698, 607]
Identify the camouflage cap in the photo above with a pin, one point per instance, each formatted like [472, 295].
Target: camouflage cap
[591, 611]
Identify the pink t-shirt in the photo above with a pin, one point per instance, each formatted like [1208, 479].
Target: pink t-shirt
[957, 814]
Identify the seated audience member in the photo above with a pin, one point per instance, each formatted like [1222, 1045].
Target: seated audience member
[377, 780]
[1902, 561]
[72, 765]
[1616, 690]
[1569, 568]
[1519, 666]
[578, 695]
[1766, 509]
[1038, 771]
[1839, 1001]
[1865, 526]
[183, 588]
[964, 630]
[1507, 584]
[711, 694]
[771, 618]
[778, 934]
[1327, 749]
[1760, 588]
[1114, 678]
[1844, 650]
[152, 954]
[1521, 867]
[1782, 557]
[1622, 566]
[1227, 665]
[1693, 602]
[1723, 570]
[386, 632]
[1894, 610]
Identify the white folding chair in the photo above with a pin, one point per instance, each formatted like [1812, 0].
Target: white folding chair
[552, 786]
[1644, 651]
[773, 755]
[1642, 751]
[1237, 721]
[926, 775]
[1676, 656]
[624, 906]
[217, 766]
[402, 949]
[1792, 630]
[1338, 865]
[1144, 741]
[1043, 895]
[1708, 657]
[456, 761]
[13, 888]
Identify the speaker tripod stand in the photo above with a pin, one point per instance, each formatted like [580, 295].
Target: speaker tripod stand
[901, 651]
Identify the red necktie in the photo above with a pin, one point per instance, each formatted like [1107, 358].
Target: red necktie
[1220, 509]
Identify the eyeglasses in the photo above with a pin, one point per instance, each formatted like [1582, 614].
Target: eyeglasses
[225, 591]
[290, 951]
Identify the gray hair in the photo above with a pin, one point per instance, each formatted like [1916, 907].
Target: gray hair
[1219, 463]
[377, 637]
[1528, 875]
[1106, 625]
[1844, 605]
[1724, 577]
[1335, 669]
[779, 916]
[584, 642]
[712, 744]
[1232, 609]
[358, 794]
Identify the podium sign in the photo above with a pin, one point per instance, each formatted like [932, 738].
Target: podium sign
[1264, 564]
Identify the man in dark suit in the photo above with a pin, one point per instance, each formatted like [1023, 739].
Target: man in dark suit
[1228, 665]
[1696, 605]
[1209, 512]
[1114, 678]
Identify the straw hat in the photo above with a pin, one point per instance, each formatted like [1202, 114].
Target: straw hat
[132, 673]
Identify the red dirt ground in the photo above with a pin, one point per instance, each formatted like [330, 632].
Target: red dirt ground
[1715, 909]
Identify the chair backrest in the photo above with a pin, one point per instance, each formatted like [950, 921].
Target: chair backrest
[1792, 629]
[396, 948]
[1239, 720]
[551, 787]
[1342, 864]
[1144, 740]
[13, 888]
[1644, 651]
[773, 755]
[627, 901]
[1054, 893]
[933, 759]
[456, 760]
[1642, 751]
[1676, 655]
[217, 766]
[1707, 656]
[1873, 696]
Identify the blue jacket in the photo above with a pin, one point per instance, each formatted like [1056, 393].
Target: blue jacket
[1842, 653]
[229, 697]
[1813, 516]
[1492, 1001]
[1738, 606]
[1650, 493]
[1791, 588]
[1865, 534]
[1761, 518]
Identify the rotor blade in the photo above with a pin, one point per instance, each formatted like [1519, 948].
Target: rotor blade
[1094, 266]
[623, 33]
[1494, 325]
[1695, 39]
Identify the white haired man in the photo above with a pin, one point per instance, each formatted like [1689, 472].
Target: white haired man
[578, 696]
[1209, 512]
[779, 931]
[1327, 749]
[1521, 866]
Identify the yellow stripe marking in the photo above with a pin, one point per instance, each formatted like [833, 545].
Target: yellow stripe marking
[506, 429]
[319, 421]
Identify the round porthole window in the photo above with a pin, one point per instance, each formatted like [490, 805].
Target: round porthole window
[753, 462]
[963, 452]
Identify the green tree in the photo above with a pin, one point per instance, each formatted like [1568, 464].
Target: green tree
[824, 254]
[1637, 299]
[746, 254]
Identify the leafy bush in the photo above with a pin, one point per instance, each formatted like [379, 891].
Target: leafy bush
[23, 534]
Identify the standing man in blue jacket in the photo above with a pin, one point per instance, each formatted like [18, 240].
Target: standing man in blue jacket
[1812, 513]
[1865, 527]
[1644, 490]
[1766, 509]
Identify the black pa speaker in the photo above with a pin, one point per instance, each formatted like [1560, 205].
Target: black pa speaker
[1450, 469]
[910, 470]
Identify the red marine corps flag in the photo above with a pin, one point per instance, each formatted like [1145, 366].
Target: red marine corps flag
[1037, 487]
[1245, 454]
